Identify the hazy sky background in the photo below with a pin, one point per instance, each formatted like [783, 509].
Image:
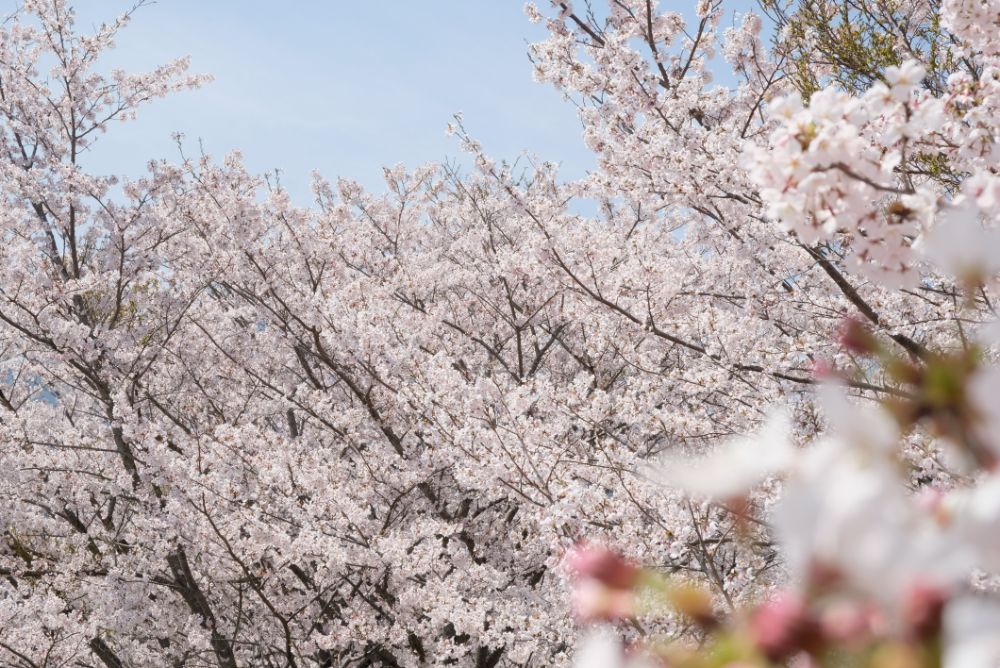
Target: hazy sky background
[341, 86]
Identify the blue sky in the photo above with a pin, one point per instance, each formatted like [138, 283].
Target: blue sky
[341, 86]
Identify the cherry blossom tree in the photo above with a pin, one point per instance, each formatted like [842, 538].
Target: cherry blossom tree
[238, 431]
[881, 523]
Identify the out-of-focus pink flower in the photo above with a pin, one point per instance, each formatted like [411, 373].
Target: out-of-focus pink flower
[846, 622]
[601, 649]
[597, 562]
[731, 470]
[594, 602]
[970, 633]
[857, 337]
[604, 583]
[823, 369]
[821, 575]
[783, 626]
[935, 503]
[923, 608]
[984, 189]
[929, 499]
[961, 246]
